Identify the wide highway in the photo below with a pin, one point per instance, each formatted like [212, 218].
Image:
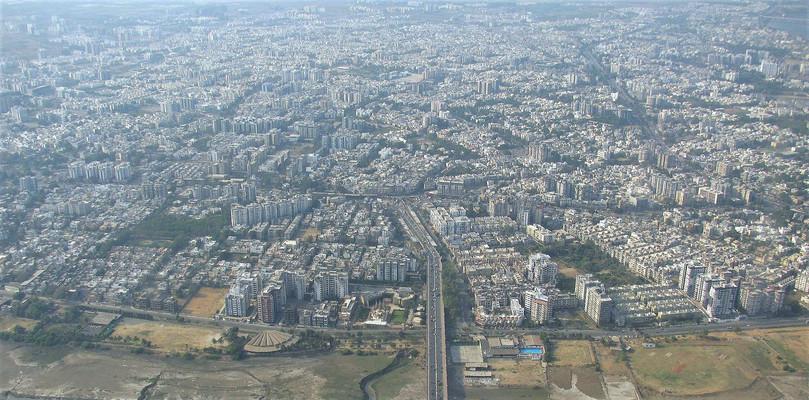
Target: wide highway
[436, 339]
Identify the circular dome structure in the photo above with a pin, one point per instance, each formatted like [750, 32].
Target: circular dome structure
[269, 342]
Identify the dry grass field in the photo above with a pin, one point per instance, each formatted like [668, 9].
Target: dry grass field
[8, 323]
[610, 361]
[697, 367]
[791, 343]
[518, 373]
[207, 302]
[572, 353]
[168, 337]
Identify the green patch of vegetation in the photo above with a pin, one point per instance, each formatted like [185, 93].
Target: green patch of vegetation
[456, 150]
[398, 317]
[759, 356]
[235, 347]
[312, 340]
[787, 354]
[165, 230]
[588, 258]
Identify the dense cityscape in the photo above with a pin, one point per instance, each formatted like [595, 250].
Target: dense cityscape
[404, 199]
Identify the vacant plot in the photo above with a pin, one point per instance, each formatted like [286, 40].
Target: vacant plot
[518, 373]
[310, 234]
[611, 362]
[482, 393]
[567, 270]
[792, 345]
[207, 302]
[341, 374]
[573, 382]
[691, 369]
[572, 353]
[168, 337]
[405, 382]
[8, 323]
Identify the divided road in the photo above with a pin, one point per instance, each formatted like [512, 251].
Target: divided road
[436, 337]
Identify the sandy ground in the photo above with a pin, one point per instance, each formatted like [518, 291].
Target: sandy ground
[168, 336]
[620, 388]
[207, 302]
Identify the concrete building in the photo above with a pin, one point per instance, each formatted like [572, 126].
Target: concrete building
[236, 301]
[689, 272]
[331, 285]
[538, 306]
[599, 305]
[542, 270]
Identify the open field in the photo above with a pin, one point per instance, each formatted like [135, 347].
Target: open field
[405, 382]
[341, 374]
[572, 353]
[168, 337]
[522, 373]
[567, 270]
[483, 393]
[8, 322]
[573, 382]
[699, 367]
[207, 302]
[610, 361]
[791, 343]
[65, 372]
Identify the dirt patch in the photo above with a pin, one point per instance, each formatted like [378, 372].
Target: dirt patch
[588, 381]
[575, 383]
[561, 377]
[169, 337]
[521, 373]
[572, 353]
[206, 302]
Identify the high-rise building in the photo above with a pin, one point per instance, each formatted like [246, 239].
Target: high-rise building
[392, 269]
[769, 69]
[331, 285]
[270, 303]
[802, 281]
[29, 184]
[755, 298]
[583, 283]
[123, 172]
[76, 170]
[689, 272]
[540, 152]
[488, 86]
[722, 300]
[236, 301]
[538, 306]
[294, 284]
[599, 305]
[542, 270]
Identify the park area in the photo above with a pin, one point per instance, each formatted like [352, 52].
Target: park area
[168, 337]
[206, 302]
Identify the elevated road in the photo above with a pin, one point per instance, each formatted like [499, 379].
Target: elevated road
[436, 336]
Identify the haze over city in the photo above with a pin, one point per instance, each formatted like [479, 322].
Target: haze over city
[404, 200]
